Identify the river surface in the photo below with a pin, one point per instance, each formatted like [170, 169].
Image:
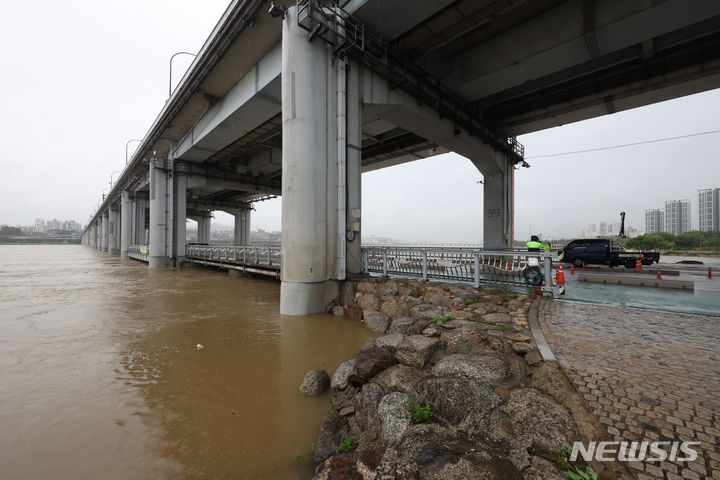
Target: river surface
[101, 376]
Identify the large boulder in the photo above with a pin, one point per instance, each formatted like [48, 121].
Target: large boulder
[541, 469]
[388, 289]
[427, 310]
[366, 301]
[342, 375]
[398, 378]
[315, 382]
[466, 341]
[394, 418]
[403, 326]
[515, 305]
[371, 361]
[538, 419]
[393, 308]
[366, 404]
[503, 318]
[365, 287]
[415, 350]
[333, 430]
[485, 368]
[389, 340]
[458, 401]
[377, 322]
[350, 466]
[435, 297]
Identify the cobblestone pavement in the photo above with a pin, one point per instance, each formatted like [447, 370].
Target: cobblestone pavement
[647, 375]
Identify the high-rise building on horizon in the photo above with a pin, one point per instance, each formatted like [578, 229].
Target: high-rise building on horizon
[709, 209]
[654, 220]
[677, 216]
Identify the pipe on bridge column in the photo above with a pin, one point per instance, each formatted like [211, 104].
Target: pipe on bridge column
[315, 186]
[105, 232]
[125, 223]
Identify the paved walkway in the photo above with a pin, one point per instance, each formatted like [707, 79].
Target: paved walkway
[647, 375]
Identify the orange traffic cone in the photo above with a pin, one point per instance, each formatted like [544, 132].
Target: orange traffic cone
[560, 276]
[584, 266]
[572, 269]
[638, 264]
[659, 277]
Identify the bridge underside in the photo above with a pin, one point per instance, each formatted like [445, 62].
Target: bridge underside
[300, 106]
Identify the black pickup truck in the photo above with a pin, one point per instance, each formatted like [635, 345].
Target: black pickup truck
[603, 251]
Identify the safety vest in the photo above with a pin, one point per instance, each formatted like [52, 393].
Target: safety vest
[532, 244]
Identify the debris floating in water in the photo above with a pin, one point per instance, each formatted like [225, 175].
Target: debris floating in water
[199, 346]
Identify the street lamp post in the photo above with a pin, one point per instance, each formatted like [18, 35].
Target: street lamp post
[126, 147]
[171, 60]
[111, 178]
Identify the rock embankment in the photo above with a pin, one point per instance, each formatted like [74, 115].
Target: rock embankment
[447, 392]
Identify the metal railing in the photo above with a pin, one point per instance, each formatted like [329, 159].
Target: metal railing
[139, 252]
[249, 254]
[472, 266]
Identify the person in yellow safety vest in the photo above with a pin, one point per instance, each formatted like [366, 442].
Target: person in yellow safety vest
[547, 247]
[534, 244]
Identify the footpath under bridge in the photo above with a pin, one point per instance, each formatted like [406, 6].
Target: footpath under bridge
[456, 265]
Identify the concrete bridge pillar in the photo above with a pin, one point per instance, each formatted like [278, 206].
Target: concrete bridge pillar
[113, 231]
[316, 187]
[139, 231]
[241, 234]
[498, 202]
[181, 180]
[125, 223]
[105, 231]
[203, 222]
[161, 205]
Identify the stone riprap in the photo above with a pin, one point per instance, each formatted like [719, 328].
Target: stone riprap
[447, 396]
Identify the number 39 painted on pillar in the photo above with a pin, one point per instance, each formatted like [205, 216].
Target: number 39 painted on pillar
[493, 212]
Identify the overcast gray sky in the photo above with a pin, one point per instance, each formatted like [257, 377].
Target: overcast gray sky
[81, 78]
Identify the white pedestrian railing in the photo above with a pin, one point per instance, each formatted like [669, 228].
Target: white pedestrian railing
[473, 266]
[251, 254]
[139, 252]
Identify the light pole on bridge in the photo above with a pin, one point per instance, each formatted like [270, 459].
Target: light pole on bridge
[111, 177]
[126, 147]
[171, 60]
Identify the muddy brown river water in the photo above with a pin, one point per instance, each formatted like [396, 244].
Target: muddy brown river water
[101, 377]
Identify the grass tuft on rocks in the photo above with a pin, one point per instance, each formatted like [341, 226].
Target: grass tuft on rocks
[419, 413]
[347, 445]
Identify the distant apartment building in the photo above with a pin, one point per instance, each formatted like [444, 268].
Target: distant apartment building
[677, 216]
[709, 209]
[654, 220]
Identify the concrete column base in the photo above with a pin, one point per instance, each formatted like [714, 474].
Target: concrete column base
[307, 298]
[159, 262]
[114, 251]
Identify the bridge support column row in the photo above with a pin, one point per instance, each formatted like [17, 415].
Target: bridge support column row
[321, 171]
